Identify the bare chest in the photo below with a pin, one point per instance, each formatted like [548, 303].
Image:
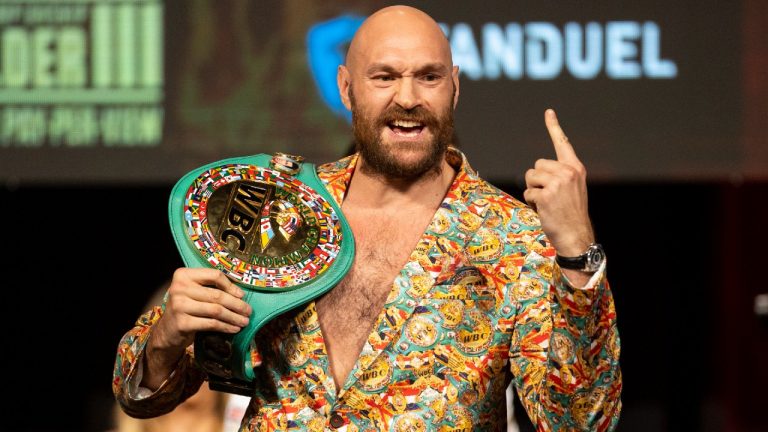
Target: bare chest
[347, 313]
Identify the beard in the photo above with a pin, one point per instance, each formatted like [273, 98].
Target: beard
[382, 159]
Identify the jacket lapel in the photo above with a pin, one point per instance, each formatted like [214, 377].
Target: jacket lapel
[438, 253]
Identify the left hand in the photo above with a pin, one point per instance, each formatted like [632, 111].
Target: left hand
[557, 190]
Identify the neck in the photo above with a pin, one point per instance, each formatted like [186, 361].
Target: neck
[374, 191]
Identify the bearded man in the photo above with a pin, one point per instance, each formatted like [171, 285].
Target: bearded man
[456, 288]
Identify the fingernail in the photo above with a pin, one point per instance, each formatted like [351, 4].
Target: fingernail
[240, 292]
[244, 321]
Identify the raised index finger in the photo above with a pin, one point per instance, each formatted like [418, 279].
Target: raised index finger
[563, 148]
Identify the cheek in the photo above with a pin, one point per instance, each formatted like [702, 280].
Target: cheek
[443, 100]
[377, 107]
[370, 114]
[374, 99]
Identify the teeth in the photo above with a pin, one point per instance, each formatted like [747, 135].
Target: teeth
[406, 123]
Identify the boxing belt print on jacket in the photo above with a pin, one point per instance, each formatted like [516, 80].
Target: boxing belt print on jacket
[271, 226]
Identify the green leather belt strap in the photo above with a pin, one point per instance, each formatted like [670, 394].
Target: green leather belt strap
[271, 226]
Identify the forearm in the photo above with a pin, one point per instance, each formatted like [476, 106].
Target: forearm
[160, 360]
[566, 364]
[589, 375]
[161, 391]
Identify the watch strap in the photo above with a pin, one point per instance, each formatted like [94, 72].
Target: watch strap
[572, 263]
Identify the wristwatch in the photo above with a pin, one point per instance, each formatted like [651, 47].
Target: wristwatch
[589, 261]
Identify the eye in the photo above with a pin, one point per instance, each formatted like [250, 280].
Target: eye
[430, 77]
[384, 78]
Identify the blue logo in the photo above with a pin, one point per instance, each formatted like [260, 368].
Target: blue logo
[326, 44]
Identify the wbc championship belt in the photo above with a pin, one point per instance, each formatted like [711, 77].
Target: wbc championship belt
[271, 226]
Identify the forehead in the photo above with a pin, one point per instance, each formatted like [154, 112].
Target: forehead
[406, 51]
[402, 45]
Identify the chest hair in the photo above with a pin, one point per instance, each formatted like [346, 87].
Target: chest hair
[347, 312]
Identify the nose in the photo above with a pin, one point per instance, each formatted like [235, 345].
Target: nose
[407, 93]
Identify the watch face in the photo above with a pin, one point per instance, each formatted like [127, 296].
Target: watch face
[595, 257]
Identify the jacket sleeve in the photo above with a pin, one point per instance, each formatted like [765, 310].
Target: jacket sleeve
[183, 382]
[564, 352]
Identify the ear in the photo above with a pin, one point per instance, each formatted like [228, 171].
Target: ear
[455, 77]
[342, 80]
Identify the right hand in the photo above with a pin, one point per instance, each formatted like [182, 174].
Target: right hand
[199, 299]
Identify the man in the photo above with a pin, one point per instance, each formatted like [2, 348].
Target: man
[476, 292]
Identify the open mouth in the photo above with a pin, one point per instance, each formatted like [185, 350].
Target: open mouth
[406, 128]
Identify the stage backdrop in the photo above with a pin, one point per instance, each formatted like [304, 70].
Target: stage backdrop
[144, 90]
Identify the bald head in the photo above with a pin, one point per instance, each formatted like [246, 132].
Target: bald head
[402, 26]
[401, 86]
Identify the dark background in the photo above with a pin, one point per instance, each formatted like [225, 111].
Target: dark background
[686, 259]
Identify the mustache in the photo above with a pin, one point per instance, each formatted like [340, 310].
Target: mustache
[415, 114]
